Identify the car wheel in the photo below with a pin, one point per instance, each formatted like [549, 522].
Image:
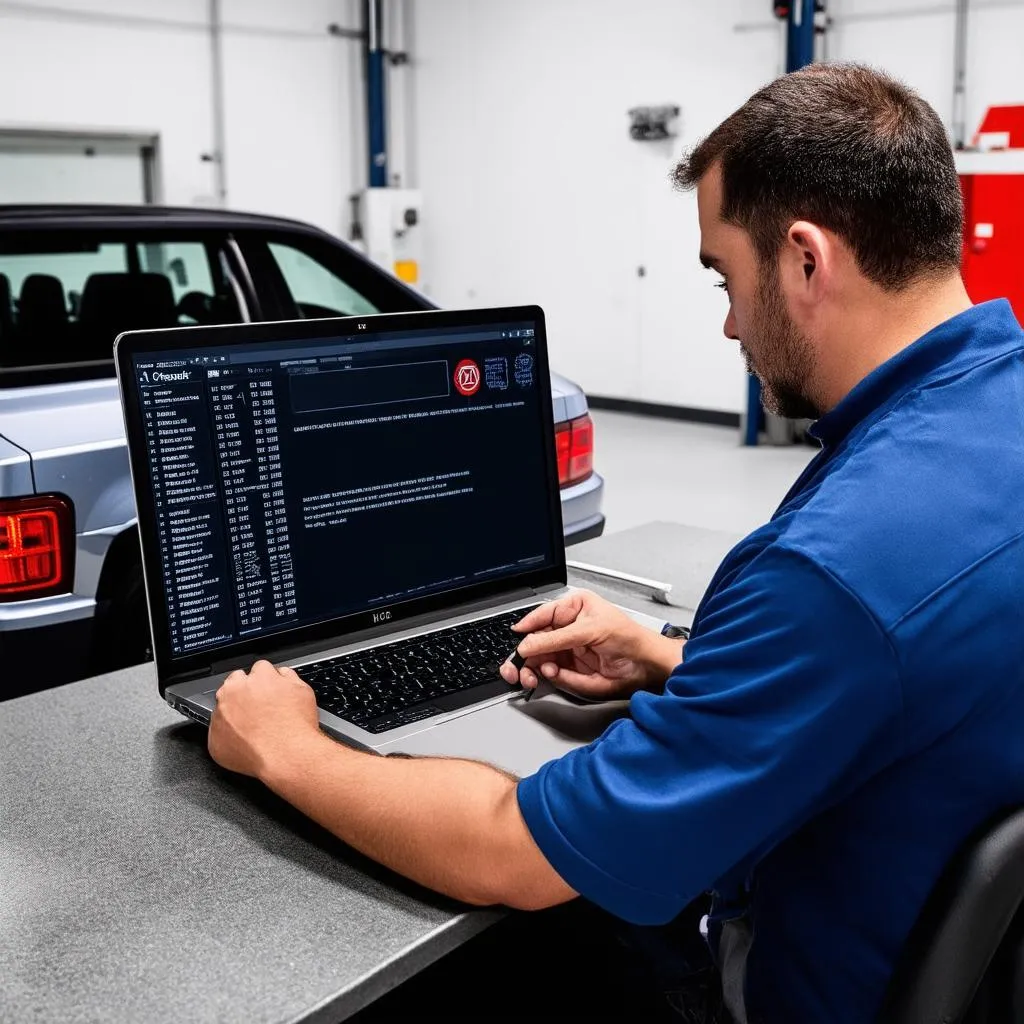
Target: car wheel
[122, 636]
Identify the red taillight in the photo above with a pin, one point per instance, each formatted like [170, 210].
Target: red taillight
[574, 446]
[37, 537]
[563, 439]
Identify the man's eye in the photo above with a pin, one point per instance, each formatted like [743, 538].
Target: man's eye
[723, 285]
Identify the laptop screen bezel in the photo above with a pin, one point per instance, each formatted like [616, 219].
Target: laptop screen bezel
[337, 630]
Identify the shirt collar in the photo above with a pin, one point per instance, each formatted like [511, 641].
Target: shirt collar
[963, 341]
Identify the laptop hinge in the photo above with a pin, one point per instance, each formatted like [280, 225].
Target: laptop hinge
[289, 653]
[548, 588]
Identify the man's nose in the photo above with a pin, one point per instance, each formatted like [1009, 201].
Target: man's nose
[729, 327]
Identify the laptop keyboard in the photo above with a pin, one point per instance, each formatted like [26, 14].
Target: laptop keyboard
[396, 684]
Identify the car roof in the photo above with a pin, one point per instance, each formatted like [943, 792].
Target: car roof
[98, 215]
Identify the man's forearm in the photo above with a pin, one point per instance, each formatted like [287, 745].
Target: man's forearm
[448, 824]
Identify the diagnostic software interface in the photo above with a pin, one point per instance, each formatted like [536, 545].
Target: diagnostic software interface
[294, 482]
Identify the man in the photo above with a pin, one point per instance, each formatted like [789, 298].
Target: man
[851, 701]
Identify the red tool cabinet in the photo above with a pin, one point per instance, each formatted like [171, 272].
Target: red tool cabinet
[992, 179]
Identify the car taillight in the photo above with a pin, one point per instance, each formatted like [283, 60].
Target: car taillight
[574, 446]
[37, 546]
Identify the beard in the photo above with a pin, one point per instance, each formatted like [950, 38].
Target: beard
[785, 359]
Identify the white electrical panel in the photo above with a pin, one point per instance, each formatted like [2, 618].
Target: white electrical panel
[391, 230]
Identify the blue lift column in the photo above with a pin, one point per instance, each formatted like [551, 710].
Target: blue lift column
[376, 135]
[800, 35]
[799, 52]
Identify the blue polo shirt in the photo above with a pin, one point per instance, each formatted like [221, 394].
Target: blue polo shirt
[851, 705]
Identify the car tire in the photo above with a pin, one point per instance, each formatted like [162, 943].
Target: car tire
[122, 635]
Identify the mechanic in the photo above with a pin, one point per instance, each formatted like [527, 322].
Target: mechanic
[851, 700]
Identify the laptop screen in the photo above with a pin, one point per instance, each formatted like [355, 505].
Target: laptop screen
[302, 480]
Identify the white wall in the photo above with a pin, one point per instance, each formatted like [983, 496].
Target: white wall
[535, 193]
[914, 39]
[294, 114]
[293, 93]
[76, 73]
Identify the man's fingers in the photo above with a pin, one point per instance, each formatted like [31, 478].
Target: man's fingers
[266, 670]
[586, 684]
[231, 680]
[539, 618]
[551, 616]
[592, 685]
[512, 675]
[528, 678]
[554, 640]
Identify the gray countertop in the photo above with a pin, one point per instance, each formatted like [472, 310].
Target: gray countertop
[685, 556]
[140, 882]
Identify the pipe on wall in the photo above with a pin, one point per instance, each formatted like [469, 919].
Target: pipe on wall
[960, 76]
[376, 121]
[217, 96]
[800, 33]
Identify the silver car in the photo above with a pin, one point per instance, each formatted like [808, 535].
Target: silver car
[72, 278]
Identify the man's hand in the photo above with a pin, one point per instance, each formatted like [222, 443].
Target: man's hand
[587, 646]
[260, 715]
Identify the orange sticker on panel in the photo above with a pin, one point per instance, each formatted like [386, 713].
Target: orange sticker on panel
[407, 271]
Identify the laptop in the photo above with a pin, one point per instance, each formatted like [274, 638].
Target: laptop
[371, 500]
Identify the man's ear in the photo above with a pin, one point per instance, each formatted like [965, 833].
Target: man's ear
[805, 262]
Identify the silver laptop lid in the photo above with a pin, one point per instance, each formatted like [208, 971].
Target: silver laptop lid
[307, 481]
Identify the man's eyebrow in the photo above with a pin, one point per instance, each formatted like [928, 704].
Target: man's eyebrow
[709, 262]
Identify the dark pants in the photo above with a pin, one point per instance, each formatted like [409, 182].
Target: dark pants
[573, 962]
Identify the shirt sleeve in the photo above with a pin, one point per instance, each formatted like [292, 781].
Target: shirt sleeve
[789, 697]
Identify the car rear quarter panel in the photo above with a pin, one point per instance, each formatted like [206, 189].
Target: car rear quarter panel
[75, 433]
[15, 470]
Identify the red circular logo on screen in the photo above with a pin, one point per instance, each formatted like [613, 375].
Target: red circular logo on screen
[467, 377]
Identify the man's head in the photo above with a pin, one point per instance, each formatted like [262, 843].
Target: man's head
[830, 189]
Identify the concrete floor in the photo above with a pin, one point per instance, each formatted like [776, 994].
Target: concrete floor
[689, 473]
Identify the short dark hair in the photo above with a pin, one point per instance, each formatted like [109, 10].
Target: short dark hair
[851, 150]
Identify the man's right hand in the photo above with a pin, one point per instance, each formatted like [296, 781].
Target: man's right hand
[587, 646]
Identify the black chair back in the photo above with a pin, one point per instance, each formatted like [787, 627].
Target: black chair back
[964, 960]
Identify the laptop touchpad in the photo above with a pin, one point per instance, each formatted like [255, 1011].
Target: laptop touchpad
[516, 735]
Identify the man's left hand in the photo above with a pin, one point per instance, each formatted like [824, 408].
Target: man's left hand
[260, 715]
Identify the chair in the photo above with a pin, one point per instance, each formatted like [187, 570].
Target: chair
[112, 303]
[964, 960]
[41, 304]
[42, 321]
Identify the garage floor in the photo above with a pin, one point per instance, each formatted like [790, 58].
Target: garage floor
[689, 473]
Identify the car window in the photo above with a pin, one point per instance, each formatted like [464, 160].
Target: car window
[70, 268]
[316, 290]
[65, 296]
[184, 264]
